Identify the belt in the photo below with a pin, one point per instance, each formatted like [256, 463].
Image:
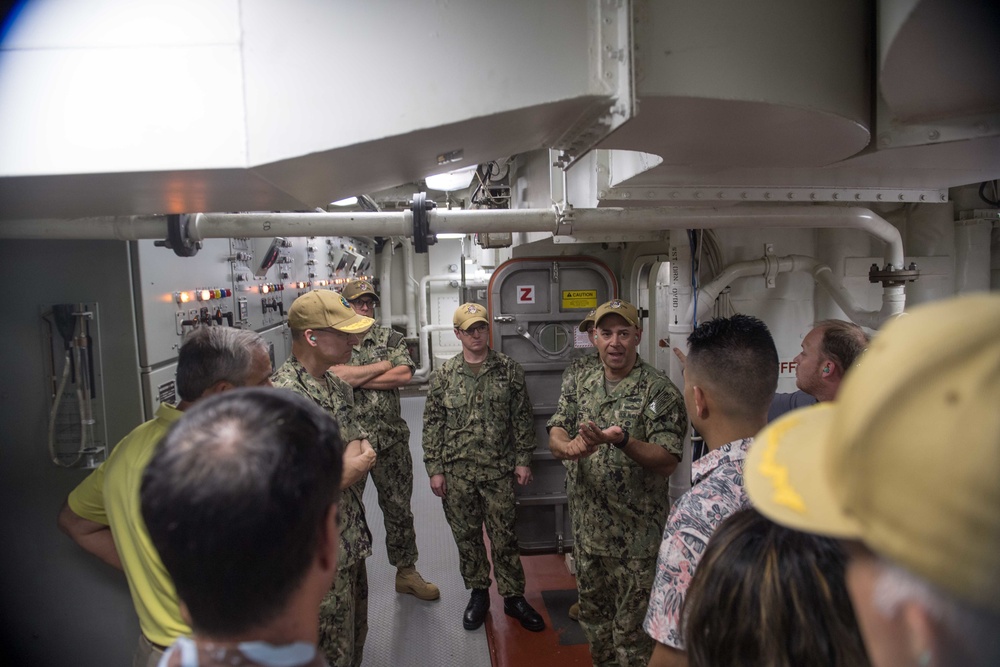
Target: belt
[158, 647]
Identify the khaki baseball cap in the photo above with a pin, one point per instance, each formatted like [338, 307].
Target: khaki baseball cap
[468, 314]
[907, 458]
[357, 288]
[323, 309]
[617, 307]
[588, 321]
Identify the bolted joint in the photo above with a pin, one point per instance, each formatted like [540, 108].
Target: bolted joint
[422, 237]
[178, 236]
[890, 276]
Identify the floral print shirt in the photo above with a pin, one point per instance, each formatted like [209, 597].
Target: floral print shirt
[716, 493]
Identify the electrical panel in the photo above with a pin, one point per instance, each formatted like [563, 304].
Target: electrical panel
[248, 283]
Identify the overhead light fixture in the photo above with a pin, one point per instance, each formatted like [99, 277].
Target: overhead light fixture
[453, 180]
[350, 201]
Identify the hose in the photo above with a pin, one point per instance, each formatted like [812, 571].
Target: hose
[54, 413]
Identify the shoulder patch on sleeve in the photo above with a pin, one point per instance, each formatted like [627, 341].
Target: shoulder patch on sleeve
[661, 403]
[395, 338]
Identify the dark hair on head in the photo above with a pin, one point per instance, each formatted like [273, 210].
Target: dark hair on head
[736, 356]
[768, 596]
[215, 354]
[235, 499]
[843, 342]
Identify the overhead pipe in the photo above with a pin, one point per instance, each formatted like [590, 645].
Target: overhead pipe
[565, 221]
[558, 221]
[128, 228]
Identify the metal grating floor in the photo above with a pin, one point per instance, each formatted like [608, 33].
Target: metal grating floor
[404, 631]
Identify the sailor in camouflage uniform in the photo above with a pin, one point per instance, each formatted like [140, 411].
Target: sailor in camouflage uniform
[478, 437]
[624, 427]
[324, 329]
[380, 364]
[568, 388]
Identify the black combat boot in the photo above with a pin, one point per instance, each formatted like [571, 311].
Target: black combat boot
[475, 613]
[517, 607]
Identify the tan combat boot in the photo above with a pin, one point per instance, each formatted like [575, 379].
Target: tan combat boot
[408, 580]
[574, 611]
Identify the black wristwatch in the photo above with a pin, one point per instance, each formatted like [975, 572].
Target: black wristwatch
[624, 441]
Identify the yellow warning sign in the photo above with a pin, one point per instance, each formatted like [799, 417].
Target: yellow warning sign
[579, 298]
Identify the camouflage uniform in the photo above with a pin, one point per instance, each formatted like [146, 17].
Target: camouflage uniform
[568, 389]
[619, 508]
[344, 610]
[390, 437]
[476, 430]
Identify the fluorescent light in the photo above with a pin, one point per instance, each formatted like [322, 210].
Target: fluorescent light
[453, 180]
[350, 201]
[449, 235]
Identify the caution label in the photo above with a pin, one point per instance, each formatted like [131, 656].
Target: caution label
[579, 298]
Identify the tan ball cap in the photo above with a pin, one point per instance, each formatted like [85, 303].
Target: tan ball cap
[323, 309]
[907, 458]
[468, 314]
[357, 288]
[617, 307]
[588, 321]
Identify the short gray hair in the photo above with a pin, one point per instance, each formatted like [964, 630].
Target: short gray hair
[215, 354]
[973, 628]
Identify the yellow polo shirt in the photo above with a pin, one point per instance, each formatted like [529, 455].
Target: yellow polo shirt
[110, 495]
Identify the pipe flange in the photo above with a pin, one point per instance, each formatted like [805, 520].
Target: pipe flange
[891, 277]
[178, 237]
[422, 237]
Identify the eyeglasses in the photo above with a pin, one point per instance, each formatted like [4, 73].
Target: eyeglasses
[477, 330]
[365, 303]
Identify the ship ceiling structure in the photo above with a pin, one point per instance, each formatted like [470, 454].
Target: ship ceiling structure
[149, 107]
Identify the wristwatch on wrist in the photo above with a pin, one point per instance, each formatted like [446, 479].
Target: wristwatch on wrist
[624, 441]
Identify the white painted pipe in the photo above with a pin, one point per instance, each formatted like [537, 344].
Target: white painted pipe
[369, 224]
[681, 293]
[420, 375]
[569, 221]
[892, 304]
[605, 220]
[399, 223]
[385, 283]
[411, 288]
[129, 228]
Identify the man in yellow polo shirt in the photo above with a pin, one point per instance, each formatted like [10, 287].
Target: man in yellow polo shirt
[102, 514]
